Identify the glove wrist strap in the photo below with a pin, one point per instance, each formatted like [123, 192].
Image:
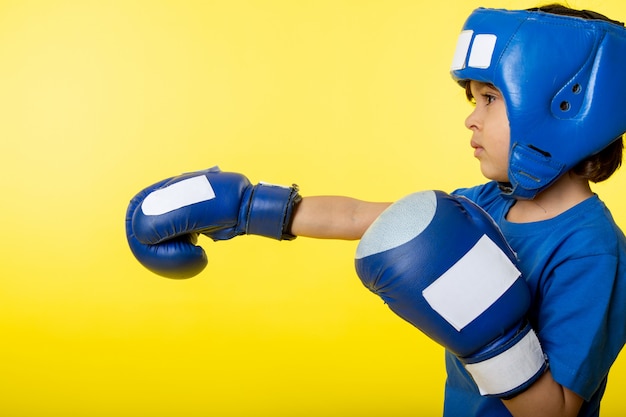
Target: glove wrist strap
[511, 370]
[271, 211]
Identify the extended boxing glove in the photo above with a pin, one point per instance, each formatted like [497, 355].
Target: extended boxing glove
[442, 264]
[164, 220]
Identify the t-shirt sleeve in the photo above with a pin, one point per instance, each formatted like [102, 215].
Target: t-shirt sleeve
[484, 195]
[581, 321]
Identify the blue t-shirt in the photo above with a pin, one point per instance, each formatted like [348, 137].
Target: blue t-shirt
[575, 266]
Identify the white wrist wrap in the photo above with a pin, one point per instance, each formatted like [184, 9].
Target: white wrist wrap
[511, 371]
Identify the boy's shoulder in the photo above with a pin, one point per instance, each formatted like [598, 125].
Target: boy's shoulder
[488, 196]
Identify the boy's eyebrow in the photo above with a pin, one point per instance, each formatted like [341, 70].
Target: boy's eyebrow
[468, 90]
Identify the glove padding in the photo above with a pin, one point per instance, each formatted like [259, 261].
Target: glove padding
[442, 264]
[164, 220]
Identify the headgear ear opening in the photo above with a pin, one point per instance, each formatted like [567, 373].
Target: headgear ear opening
[563, 82]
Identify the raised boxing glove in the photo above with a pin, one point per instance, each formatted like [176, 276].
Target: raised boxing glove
[164, 220]
[442, 264]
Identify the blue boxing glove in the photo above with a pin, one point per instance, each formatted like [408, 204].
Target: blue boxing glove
[442, 264]
[164, 220]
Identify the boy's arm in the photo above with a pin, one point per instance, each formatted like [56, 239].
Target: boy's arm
[164, 220]
[334, 217]
[545, 397]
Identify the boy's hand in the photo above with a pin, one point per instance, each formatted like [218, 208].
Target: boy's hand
[441, 263]
[164, 220]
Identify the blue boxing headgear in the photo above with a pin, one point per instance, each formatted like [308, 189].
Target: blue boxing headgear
[563, 80]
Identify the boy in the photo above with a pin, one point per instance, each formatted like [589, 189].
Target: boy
[549, 114]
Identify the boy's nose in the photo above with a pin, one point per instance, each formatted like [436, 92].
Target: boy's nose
[471, 121]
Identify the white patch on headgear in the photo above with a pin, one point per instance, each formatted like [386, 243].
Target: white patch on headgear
[480, 54]
[482, 50]
[462, 46]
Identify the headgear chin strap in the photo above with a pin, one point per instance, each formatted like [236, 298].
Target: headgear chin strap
[563, 80]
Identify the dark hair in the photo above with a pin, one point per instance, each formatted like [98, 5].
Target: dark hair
[556, 8]
[603, 164]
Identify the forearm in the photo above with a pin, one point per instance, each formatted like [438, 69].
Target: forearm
[545, 397]
[334, 217]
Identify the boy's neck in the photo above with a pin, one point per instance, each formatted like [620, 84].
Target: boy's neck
[565, 193]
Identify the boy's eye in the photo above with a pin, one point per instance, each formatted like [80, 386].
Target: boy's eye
[489, 98]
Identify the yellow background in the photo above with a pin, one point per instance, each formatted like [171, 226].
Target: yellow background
[101, 98]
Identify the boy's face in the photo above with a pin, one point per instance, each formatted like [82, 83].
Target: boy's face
[490, 131]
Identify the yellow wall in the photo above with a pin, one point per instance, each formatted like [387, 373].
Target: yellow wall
[101, 98]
